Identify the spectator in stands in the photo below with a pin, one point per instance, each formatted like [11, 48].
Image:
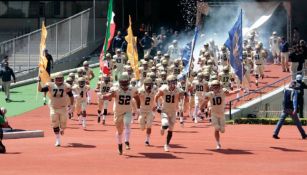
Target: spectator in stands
[117, 42]
[146, 43]
[3, 122]
[284, 54]
[155, 44]
[296, 36]
[290, 107]
[5, 59]
[300, 86]
[49, 61]
[301, 57]
[294, 60]
[303, 48]
[6, 73]
[124, 46]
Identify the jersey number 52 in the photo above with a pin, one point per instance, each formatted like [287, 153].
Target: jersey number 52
[124, 100]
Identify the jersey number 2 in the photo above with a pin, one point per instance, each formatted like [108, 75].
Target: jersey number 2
[147, 100]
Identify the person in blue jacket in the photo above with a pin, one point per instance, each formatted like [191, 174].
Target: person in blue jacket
[290, 107]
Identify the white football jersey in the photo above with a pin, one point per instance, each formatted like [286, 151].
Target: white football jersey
[80, 93]
[58, 95]
[258, 60]
[170, 98]
[119, 62]
[217, 102]
[105, 87]
[200, 88]
[225, 79]
[123, 99]
[146, 99]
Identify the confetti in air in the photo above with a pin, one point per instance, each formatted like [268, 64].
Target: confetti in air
[188, 11]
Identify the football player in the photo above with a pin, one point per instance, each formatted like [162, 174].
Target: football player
[122, 109]
[171, 95]
[146, 94]
[105, 86]
[58, 92]
[80, 92]
[216, 97]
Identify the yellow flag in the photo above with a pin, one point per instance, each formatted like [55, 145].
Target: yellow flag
[132, 51]
[43, 74]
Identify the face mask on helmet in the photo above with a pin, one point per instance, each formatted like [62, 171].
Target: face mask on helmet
[216, 88]
[207, 78]
[163, 77]
[106, 79]
[73, 78]
[124, 84]
[69, 82]
[148, 87]
[81, 84]
[172, 84]
[133, 83]
[59, 81]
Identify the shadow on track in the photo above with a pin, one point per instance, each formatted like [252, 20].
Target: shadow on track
[231, 151]
[79, 145]
[286, 149]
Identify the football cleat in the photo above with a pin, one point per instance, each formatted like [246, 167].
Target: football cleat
[166, 148]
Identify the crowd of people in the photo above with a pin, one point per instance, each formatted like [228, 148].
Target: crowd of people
[161, 87]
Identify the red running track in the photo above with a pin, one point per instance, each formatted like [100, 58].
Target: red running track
[247, 149]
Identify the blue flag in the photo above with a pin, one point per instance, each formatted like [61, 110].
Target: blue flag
[188, 54]
[234, 44]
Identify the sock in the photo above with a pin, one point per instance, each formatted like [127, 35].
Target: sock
[119, 138]
[57, 136]
[147, 138]
[127, 134]
[169, 137]
[195, 111]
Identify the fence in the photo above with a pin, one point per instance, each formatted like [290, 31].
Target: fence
[64, 38]
[271, 107]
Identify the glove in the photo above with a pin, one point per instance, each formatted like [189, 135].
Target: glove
[69, 108]
[159, 109]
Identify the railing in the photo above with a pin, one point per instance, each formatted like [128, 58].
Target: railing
[64, 38]
[263, 109]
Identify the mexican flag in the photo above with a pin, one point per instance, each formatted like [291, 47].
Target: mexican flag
[110, 30]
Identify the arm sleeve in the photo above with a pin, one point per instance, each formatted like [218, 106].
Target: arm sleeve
[13, 75]
[295, 100]
[69, 93]
[45, 89]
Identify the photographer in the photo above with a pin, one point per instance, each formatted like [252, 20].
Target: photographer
[3, 123]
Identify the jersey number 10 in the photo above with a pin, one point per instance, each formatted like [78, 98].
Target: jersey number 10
[217, 100]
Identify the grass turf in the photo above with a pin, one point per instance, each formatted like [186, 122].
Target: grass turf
[26, 98]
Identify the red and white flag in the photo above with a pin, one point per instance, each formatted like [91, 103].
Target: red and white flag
[110, 30]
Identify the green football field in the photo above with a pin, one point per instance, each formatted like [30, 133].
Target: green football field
[26, 98]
